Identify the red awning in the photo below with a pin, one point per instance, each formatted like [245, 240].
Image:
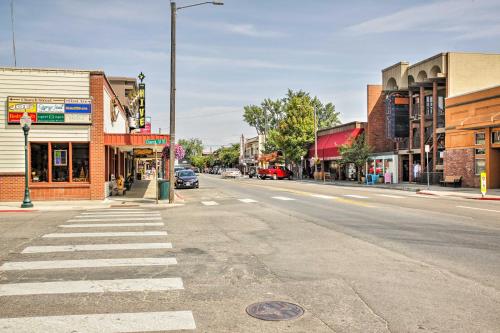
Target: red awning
[328, 145]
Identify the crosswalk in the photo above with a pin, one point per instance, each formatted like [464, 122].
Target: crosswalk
[305, 195]
[88, 245]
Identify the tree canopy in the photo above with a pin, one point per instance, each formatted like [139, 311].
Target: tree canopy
[290, 122]
[192, 147]
[357, 151]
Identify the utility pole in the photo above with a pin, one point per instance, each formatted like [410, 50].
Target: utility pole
[171, 161]
[13, 36]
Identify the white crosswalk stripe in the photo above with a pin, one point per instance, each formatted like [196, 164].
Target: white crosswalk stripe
[209, 203]
[90, 286]
[107, 225]
[98, 322]
[86, 263]
[154, 218]
[248, 200]
[390, 196]
[96, 247]
[102, 323]
[355, 196]
[322, 196]
[106, 234]
[283, 198]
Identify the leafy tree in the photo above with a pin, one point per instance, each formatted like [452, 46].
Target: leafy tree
[229, 156]
[357, 151]
[192, 147]
[254, 116]
[199, 161]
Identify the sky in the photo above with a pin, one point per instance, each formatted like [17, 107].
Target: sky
[245, 51]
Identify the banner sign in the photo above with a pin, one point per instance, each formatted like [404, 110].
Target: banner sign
[142, 105]
[46, 110]
[147, 128]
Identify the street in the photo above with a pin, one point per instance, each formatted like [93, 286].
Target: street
[355, 259]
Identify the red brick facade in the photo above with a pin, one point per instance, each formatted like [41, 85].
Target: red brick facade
[460, 162]
[376, 131]
[11, 187]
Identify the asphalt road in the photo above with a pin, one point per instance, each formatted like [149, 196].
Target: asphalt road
[356, 259]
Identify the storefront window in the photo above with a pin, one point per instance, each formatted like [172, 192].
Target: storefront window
[388, 165]
[60, 168]
[480, 165]
[39, 162]
[480, 138]
[80, 163]
[379, 167]
[495, 137]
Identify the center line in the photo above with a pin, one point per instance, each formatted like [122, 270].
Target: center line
[283, 198]
[247, 200]
[355, 196]
[322, 196]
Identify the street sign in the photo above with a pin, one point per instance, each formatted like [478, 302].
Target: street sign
[483, 183]
[427, 148]
[156, 142]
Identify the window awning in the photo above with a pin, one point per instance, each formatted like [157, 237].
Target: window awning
[136, 140]
[328, 145]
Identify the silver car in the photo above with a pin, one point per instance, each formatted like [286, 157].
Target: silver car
[231, 173]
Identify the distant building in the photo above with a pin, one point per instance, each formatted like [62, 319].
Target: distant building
[252, 150]
[408, 110]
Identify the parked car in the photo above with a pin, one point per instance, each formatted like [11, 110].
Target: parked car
[186, 179]
[231, 173]
[275, 172]
[220, 171]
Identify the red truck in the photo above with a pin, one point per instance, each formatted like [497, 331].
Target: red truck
[275, 172]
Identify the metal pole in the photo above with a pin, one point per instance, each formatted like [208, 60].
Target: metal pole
[156, 172]
[172, 103]
[427, 165]
[27, 200]
[315, 143]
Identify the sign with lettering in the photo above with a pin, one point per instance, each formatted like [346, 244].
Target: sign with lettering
[49, 110]
[483, 183]
[142, 105]
[156, 141]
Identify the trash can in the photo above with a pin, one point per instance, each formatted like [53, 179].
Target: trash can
[163, 188]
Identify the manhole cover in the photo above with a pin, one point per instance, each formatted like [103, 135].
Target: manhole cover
[275, 310]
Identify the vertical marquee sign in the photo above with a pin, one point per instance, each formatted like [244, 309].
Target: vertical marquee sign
[46, 110]
[142, 105]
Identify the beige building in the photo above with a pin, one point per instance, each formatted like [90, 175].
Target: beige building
[414, 102]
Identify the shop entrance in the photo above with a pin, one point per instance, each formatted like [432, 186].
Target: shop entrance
[406, 170]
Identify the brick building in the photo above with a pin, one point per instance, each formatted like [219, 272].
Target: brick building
[410, 103]
[79, 138]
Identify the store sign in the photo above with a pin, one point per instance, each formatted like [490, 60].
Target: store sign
[147, 128]
[142, 105]
[46, 110]
[156, 142]
[143, 152]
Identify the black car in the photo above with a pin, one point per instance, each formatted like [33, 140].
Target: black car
[186, 179]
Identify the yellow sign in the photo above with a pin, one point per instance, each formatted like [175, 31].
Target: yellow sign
[22, 107]
[483, 183]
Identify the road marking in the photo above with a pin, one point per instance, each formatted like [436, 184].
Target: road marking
[96, 247]
[283, 198]
[106, 234]
[86, 263]
[116, 215]
[116, 219]
[105, 225]
[390, 196]
[90, 286]
[322, 196]
[209, 203]
[248, 200]
[118, 210]
[355, 196]
[102, 323]
[484, 209]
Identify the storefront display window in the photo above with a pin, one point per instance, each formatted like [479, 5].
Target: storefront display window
[379, 167]
[480, 165]
[80, 162]
[39, 162]
[60, 168]
[480, 138]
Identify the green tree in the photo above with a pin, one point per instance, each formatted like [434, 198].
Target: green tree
[192, 147]
[229, 156]
[199, 161]
[254, 116]
[357, 151]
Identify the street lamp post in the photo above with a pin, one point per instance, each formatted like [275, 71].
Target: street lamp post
[25, 123]
[171, 162]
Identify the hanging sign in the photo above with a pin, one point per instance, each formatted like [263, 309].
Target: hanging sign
[142, 105]
[48, 110]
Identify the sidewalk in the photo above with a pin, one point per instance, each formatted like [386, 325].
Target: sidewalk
[142, 194]
[462, 192]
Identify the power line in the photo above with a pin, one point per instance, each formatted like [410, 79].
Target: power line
[13, 36]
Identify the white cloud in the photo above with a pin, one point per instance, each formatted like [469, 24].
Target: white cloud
[250, 30]
[469, 17]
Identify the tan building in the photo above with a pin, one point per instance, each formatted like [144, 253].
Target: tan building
[414, 106]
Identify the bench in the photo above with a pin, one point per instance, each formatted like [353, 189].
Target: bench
[456, 181]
